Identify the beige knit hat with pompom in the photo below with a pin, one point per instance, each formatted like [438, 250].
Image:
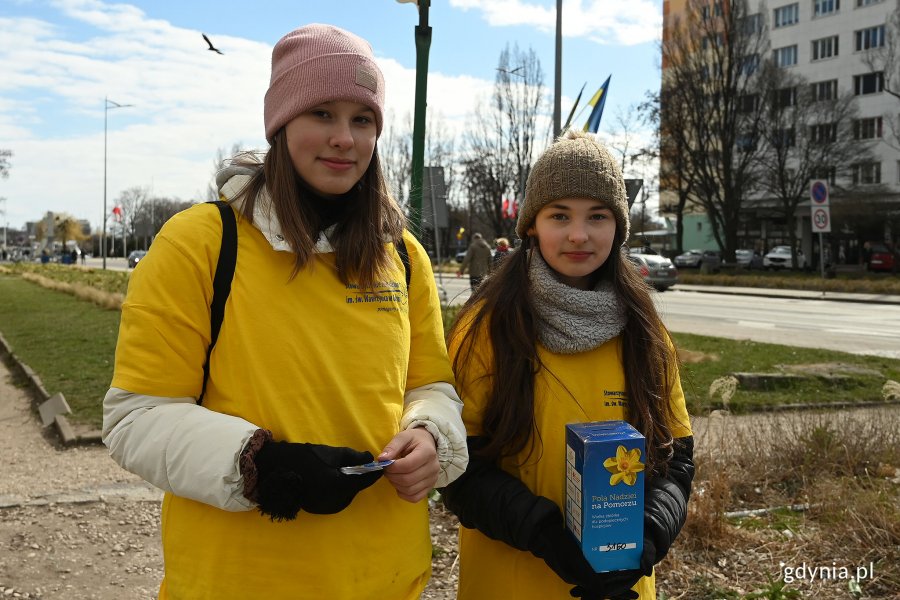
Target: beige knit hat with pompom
[576, 165]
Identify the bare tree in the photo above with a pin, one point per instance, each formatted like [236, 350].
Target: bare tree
[500, 142]
[675, 180]
[134, 203]
[711, 56]
[5, 165]
[806, 135]
[487, 172]
[881, 54]
[395, 153]
[518, 99]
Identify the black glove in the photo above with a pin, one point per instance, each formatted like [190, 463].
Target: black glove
[553, 544]
[291, 477]
[616, 585]
[665, 501]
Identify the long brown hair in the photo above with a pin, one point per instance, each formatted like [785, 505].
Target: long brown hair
[503, 307]
[360, 236]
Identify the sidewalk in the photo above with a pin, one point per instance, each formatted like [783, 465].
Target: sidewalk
[798, 294]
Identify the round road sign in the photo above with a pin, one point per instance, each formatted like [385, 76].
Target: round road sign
[820, 219]
[819, 192]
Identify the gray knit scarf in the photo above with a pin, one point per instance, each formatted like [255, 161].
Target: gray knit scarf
[572, 320]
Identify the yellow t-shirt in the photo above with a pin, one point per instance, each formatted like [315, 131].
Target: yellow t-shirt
[312, 360]
[588, 386]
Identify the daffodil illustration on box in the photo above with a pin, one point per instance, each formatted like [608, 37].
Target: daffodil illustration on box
[624, 466]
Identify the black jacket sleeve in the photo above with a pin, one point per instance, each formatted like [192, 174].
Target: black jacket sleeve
[666, 498]
[500, 506]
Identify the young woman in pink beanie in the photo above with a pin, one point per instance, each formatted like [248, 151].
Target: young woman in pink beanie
[243, 394]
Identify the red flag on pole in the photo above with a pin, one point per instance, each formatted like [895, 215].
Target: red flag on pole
[117, 213]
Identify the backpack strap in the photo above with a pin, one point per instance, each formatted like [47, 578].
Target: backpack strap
[404, 256]
[221, 282]
[225, 273]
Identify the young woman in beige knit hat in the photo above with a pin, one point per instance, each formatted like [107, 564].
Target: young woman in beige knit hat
[565, 331]
[330, 353]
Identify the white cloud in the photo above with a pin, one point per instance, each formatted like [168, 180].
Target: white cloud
[187, 103]
[623, 22]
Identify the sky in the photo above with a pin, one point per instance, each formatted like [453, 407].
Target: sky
[59, 60]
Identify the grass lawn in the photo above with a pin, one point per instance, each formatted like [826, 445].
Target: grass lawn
[68, 342]
[719, 357]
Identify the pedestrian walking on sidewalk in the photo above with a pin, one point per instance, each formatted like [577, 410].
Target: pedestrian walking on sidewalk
[330, 354]
[477, 261]
[565, 331]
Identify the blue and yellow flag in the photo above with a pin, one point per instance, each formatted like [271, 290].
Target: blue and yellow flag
[598, 102]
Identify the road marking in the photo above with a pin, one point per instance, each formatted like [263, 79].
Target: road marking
[862, 332]
[756, 324]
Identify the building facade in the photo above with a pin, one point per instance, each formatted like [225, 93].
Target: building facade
[836, 47]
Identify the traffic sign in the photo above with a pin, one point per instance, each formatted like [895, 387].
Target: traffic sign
[818, 192]
[821, 219]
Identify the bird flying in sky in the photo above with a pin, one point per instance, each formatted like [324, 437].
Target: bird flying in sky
[211, 47]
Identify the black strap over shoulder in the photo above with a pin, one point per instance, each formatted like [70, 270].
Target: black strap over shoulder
[404, 256]
[221, 282]
[225, 274]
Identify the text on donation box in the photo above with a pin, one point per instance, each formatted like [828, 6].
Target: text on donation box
[605, 492]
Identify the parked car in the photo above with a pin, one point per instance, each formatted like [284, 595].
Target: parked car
[696, 259]
[879, 257]
[748, 259]
[779, 257]
[134, 257]
[691, 258]
[657, 271]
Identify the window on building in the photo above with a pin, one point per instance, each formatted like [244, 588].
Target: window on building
[745, 142]
[706, 11]
[871, 37]
[750, 64]
[787, 15]
[753, 23]
[784, 138]
[786, 97]
[825, 47]
[715, 39]
[867, 129]
[786, 57]
[867, 2]
[827, 173]
[866, 173]
[748, 103]
[826, 7]
[823, 133]
[824, 90]
[870, 83]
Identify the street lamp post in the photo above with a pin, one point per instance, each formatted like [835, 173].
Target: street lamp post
[423, 45]
[107, 105]
[557, 82]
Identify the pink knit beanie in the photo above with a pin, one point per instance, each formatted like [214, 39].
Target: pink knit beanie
[320, 63]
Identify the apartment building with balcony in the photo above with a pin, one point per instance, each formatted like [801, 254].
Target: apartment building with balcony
[836, 46]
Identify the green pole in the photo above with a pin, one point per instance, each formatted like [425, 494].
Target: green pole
[423, 45]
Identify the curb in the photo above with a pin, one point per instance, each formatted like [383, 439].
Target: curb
[788, 293]
[40, 395]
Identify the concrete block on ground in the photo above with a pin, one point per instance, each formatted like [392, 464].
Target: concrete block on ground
[55, 405]
[65, 430]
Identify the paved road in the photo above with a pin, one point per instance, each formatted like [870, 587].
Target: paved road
[860, 328]
[870, 329]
